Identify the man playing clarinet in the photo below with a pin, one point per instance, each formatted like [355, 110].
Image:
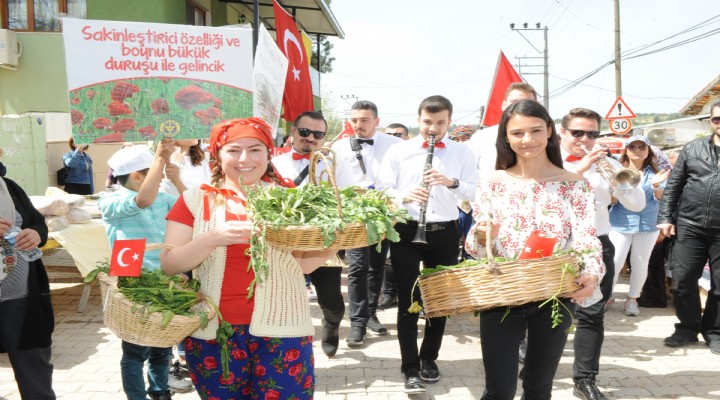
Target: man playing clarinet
[434, 190]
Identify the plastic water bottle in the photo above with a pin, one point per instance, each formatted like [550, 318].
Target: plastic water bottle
[29, 255]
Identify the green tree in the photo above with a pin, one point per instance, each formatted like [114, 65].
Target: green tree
[326, 60]
[329, 110]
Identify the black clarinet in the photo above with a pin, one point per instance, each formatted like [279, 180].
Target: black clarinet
[420, 233]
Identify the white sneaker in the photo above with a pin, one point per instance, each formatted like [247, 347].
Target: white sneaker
[631, 308]
[312, 296]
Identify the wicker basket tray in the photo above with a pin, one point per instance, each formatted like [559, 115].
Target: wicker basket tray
[308, 238]
[510, 283]
[124, 323]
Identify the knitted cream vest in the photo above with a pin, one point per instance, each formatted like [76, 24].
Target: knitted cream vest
[281, 304]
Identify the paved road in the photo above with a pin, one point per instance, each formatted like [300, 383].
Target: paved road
[635, 364]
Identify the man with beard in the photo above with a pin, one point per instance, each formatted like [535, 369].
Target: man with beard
[358, 164]
[689, 211]
[307, 134]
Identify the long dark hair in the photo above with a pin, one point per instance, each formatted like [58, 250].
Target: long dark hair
[196, 154]
[649, 160]
[506, 157]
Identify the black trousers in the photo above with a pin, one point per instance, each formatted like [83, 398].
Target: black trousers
[691, 249]
[366, 268]
[502, 329]
[329, 296]
[590, 329]
[32, 368]
[441, 249]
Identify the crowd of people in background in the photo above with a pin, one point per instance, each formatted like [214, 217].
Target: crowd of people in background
[555, 179]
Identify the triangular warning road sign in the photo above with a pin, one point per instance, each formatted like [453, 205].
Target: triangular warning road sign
[619, 110]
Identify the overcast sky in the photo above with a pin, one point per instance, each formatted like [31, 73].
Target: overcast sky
[397, 52]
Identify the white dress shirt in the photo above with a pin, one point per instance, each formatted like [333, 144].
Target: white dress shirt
[402, 171]
[633, 200]
[348, 171]
[289, 168]
[482, 144]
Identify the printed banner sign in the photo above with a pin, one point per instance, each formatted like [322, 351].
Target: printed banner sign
[132, 81]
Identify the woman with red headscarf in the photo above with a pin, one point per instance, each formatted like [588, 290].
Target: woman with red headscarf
[208, 233]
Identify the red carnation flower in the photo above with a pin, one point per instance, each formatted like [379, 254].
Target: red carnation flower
[259, 370]
[229, 379]
[308, 382]
[118, 108]
[189, 96]
[239, 354]
[210, 362]
[295, 369]
[291, 355]
[76, 117]
[102, 123]
[147, 132]
[160, 106]
[272, 394]
[124, 125]
[253, 346]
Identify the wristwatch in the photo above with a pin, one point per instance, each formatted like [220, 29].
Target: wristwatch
[455, 185]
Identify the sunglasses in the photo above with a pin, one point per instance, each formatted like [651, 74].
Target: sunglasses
[715, 120]
[578, 133]
[397, 134]
[305, 132]
[640, 147]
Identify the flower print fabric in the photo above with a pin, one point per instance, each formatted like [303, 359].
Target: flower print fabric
[563, 210]
[260, 367]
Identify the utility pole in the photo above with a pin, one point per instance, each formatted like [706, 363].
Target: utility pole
[618, 72]
[546, 74]
[347, 97]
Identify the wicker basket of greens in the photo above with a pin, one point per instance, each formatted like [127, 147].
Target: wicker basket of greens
[320, 216]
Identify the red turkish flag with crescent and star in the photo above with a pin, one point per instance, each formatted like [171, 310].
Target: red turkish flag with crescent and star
[298, 96]
[127, 257]
[347, 130]
[504, 75]
[538, 246]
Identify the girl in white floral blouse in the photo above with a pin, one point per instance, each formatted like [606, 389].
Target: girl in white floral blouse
[531, 191]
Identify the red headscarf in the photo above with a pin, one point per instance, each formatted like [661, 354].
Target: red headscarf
[239, 128]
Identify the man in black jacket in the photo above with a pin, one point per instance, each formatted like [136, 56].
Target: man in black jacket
[690, 209]
[26, 314]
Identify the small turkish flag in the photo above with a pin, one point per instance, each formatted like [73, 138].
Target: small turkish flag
[347, 130]
[127, 257]
[538, 246]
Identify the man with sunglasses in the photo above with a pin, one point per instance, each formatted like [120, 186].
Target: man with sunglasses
[580, 128]
[398, 130]
[358, 159]
[690, 211]
[308, 134]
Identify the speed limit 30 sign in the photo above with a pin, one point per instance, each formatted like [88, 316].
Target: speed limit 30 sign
[621, 126]
[620, 117]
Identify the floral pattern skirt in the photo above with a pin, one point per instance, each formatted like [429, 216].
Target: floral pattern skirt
[259, 367]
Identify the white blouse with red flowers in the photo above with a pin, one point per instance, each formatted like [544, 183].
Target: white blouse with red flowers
[563, 210]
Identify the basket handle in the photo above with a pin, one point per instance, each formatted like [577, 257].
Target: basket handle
[491, 266]
[327, 155]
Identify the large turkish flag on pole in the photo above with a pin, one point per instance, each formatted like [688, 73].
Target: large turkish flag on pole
[504, 75]
[298, 96]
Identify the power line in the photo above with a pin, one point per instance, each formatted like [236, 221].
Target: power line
[629, 55]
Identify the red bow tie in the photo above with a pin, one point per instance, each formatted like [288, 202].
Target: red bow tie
[298, 156]
[439, 145]
[573, 158]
